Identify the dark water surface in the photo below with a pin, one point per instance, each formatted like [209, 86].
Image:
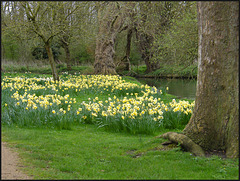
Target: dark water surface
[182, 88]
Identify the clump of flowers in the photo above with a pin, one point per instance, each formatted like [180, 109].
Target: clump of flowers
[130, 107]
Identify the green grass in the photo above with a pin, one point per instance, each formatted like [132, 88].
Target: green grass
[90, 153]
[43, 67]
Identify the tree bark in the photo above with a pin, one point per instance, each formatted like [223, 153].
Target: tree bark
[109, 25]
[65, 45]
[51, 61]
[145, 44]
[68, 60]
[125, 62]
[214, 124]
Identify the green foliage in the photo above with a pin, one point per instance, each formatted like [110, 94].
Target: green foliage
[83, 56]
[40, 52]
[179, 71]
[180, 43]
[10, 47]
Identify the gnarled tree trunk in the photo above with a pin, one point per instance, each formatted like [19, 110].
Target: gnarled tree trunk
[110, 22]
[214, 124]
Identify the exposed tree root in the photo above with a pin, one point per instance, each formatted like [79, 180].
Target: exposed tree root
[185, 142]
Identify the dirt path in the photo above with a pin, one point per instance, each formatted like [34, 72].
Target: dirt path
[10, 165]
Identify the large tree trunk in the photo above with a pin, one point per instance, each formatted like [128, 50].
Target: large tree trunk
[214, 124]
[110, 22]
[51, 61]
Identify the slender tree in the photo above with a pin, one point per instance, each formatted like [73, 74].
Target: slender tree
[125, 63]
[126, 58]
[75, 18]
[214, 124]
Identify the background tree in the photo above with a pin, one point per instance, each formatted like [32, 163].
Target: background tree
[110, 22]
[83, 28]
[178, 45]
[75, 17]
[111, 17]
[47, 21]
[164, 34]
[152, 21]
[16, 41]
[125, 63]
[214, 124]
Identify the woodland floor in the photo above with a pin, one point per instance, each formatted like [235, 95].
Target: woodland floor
[10, 169]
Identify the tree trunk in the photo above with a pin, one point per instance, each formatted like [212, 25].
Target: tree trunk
[67, 53]
[128, 50]
[104, 57]
[145, 37]
[214, 124]
[51, 61]
[125, 62]
[145, 44]
[110, 22]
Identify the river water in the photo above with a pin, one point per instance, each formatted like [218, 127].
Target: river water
[182, 88]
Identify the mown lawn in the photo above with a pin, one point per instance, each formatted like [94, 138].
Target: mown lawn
[87, 152]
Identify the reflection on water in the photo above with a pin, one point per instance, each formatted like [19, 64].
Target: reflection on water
[181, 88]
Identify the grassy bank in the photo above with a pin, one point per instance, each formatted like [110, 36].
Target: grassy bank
[99, 127]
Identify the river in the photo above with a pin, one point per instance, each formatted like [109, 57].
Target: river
[182, 88]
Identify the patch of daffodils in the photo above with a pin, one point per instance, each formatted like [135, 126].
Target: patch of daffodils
[128, 102]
